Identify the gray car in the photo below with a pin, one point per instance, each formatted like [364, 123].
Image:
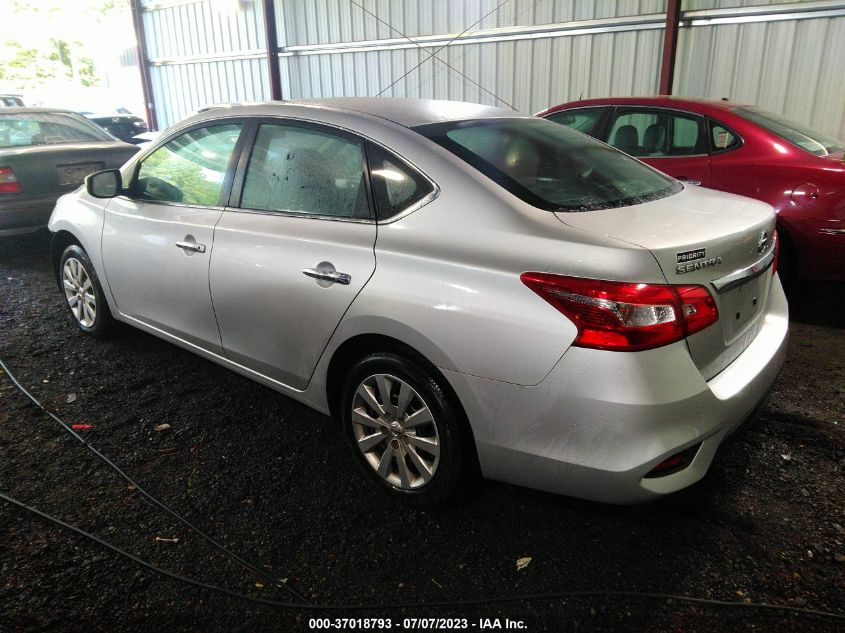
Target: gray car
[45, 153]
[465, 289]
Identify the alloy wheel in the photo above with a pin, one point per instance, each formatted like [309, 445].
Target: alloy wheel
[79, 292]
[395, 431]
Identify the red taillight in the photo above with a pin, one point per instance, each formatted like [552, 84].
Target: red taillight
[8, 181]
[622, 316]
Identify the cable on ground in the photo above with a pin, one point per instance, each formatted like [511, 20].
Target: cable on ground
[246, 564]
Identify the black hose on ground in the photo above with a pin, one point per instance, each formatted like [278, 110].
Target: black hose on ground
[246, 564]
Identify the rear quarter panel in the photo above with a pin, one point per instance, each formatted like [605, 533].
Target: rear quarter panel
[447, 275]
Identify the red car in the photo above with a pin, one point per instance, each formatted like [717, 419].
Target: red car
[740, 149]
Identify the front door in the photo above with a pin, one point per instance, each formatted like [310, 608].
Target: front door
[157, 239]
[291, 257]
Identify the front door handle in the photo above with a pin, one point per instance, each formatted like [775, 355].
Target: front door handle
[191, 246]
[332, 277]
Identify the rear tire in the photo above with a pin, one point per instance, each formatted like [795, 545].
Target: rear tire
[406, 433]
[83, 293]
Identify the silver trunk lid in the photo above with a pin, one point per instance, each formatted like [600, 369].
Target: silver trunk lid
[703, 237]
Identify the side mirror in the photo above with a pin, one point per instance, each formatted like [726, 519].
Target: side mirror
[104, 184]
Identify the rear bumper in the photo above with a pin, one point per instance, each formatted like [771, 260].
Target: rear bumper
[601, 420]
[25, 214]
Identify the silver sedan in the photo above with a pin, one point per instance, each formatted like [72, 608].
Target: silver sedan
[465, 289]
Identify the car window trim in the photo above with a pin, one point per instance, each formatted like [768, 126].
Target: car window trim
[701, 119]
[130, 192]
[236, 195]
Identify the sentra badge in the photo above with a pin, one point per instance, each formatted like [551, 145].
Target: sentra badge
[697, 265]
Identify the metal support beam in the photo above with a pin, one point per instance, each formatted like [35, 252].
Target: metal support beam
[670, 46]
[272, 50]
[143, 63]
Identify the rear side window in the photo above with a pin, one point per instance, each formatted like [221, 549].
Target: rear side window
[396, 186]
[721, 138]
[302, 170]
[190, 168]
[549, 165]
[583, 119]
[656, 133]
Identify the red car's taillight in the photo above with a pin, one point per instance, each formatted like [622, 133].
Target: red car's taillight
[622, 316]
[8, 181]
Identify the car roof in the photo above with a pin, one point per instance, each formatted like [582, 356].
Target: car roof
[405, 112]
[691, 103]
[31, 110]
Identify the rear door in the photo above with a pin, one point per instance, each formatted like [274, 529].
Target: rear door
[669, 140]
[157, 240]
[294, 249]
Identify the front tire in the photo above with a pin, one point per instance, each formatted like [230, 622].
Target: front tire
[83, 293]
[405, 431]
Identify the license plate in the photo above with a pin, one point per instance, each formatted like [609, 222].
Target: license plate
[75, 174]
[741, 307]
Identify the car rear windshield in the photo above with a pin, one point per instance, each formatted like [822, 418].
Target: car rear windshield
[47, 128]
[550, 166]
[797, 134]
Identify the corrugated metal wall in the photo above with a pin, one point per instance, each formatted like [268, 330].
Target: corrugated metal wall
[528, 74]
[795, 67]
[204, 52]
[530, 53]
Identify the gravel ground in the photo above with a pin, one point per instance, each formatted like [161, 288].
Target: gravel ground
[274, 482]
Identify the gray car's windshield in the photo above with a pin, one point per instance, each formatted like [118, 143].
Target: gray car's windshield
[797, 134]
[47, 128]
[549, 165]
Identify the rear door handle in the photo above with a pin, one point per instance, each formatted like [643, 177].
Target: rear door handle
[332, 277]
[191, 246]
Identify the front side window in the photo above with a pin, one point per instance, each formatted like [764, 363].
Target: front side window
[396, 186]
[48, 128]
[797, 134]
[583, 119]
[656, 133]
[549, 165]
[190, 168]
[303, 170]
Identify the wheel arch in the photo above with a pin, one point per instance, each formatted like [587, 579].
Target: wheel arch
[360, 345]
[59, 242]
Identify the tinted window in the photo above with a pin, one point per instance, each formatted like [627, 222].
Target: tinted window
[47, 128]
[656, 133]
[797, 134]
[396, 186]
[549, 165]
[302, 170]
[721, 138]
[583, 119]
[190, 168]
